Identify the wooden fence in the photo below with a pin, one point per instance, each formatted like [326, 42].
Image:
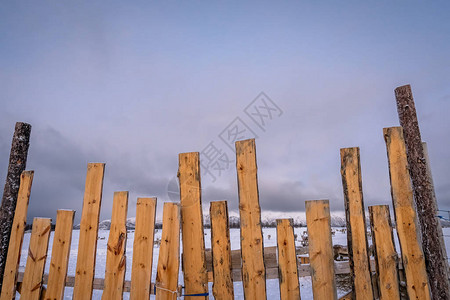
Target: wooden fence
[372, 278]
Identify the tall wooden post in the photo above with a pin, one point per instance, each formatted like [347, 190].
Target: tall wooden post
[194, 261]
[408, 230]
[252, 242]
[17, 164]
[321, 249]
[356, 223]
[60, 255]
[386, 260]
[144, 235]
[287, 261]
[169, 253]
[37, 255]
[423, 194]
[87, 245]
[15, 241]
[430, 177]
[221, 251]
[115, 256]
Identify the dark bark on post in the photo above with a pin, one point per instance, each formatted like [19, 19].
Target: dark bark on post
[430, 178]
[17, 164]
[423, 194]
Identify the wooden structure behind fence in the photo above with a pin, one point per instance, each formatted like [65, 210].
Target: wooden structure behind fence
[253, 264]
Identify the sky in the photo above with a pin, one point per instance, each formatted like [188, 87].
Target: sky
[133, 84]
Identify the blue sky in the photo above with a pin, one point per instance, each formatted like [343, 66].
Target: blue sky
[134, 84]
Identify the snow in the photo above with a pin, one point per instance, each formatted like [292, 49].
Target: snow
[271, 285]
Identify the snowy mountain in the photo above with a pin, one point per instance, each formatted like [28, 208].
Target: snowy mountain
[106, 224]
[268, 219]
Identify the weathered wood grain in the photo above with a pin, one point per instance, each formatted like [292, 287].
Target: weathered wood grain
[60, 255]
[144, 234]
[87, 245]
[287, 261]
[405, 215]
[221, 251]
[384, 251]
[320, 249]
[16, 239]
[436, 266]
[194, 264]
[169, 253]
[356, 223]
[252, 243]
[439, 226]
[37, 255]
[115, 255]
[17, 164]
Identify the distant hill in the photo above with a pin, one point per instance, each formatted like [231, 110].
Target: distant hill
[268, 219]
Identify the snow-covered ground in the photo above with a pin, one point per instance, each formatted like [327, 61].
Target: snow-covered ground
[269, 240]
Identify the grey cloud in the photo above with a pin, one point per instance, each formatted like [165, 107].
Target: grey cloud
[274, 195]
[60, 170]
[135, 86]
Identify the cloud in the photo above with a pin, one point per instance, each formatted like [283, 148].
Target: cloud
[60, 171]
[135, 86]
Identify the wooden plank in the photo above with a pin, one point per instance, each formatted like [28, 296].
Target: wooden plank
[115, 255]
[221, 251]
[341, 267]
[87, 245]
[438, 221]
[169, 253]
[270, 257]
[252, 242]
[405, 215]
[270, 260]
[287, 260]
[99, 283]
[16, 238]
[17, 164]
[141, 268]
[422, 187]
[385, 255]
[37, 255]
[194, 263]
[356, 223]
[60, 255]
[320, 249]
